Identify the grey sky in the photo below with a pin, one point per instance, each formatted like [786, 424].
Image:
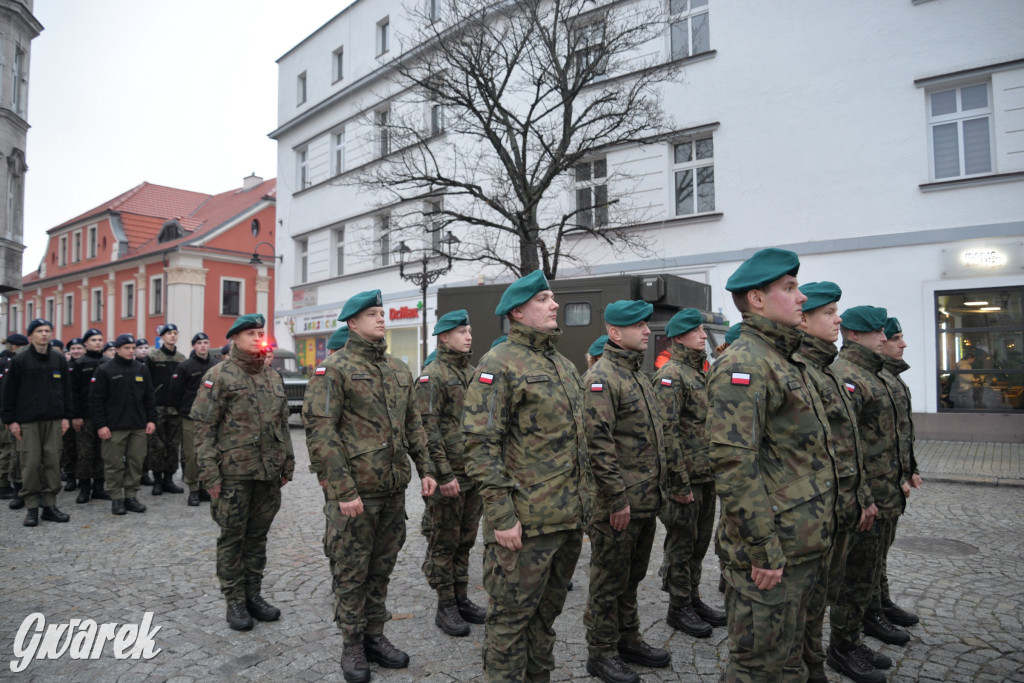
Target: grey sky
[176, 93]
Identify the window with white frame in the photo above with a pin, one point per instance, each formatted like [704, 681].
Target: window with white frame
[97, 304]
[156, 295]
[128, 300]
[432, 220]
[231, 294]
[300, 89]
[49, 308]
[62, 251]
[69, 309]
[338, 151]
[383, 36]
[960, 126]
[76, 251]
[433, 10]
[303, 168]
[590, 48]
[30, 312]
[592, 193]
[693, 166]
[384, 238]
[12, 323]
[20, 81]
[382, 119]
[338, 236]
[91, 244]
[302, 253]
[436, 119]
[689, 27]
[338, 64]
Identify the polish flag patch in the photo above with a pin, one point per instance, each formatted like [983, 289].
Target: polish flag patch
[92, 380]
[741, 378]
[486, 378]
[208, 384]
[320, 371]
[597, 387]
[666, 382]
[850, 387]
[424, 379]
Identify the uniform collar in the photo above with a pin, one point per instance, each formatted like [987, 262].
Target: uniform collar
[125, 362]
[452, 357]
[631, 360]
[248, 362]
[687, 356]
[374, 351]
[819, 352]
[541, 341]
[863, 356]
[895, 366]
[785, 339]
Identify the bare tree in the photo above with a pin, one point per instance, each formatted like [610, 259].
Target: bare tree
[504, 106]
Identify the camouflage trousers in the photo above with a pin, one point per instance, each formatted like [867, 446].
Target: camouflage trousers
[527, 589]
[244, 511]
[362, 551]
[862, 566]
[826, 590]
[766, 628]
[618, 563]
[881, 590]
[90, 461]
[189, 464]
[7, 473]
[688, 531]
[122, 462]
[454, 521]
[165, 442]
[39, 456]
[68, 454]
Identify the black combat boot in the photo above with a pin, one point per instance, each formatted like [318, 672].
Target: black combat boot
[645, 655]
[448, 618]
[897, 615]
[117, 507]
[84, 491]
[262, 610]
[193, 499]
[686, 620]
[849, 662]
[71, 484]
[133, 505]
[7, 492]
[708, 613]
[170, 486]
[611, 670]
[379, 649]
[354, 667]
[31, 517]
[16, 502]
[158, 484]
[145, 479]
[238, 617]
[876, 659]
[877, 626]
[469, 610]
[99, 490]
[52, 514]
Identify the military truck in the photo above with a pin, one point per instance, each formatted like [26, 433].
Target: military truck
[581, 306]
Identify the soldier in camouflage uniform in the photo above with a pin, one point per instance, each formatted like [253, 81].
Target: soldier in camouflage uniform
[892, 357]
[855, 508]
[526, 449]
[90, 457]
[362, 426]
[185, 384]
[774, 474]
[688, 513]
[455, 508]
[165, 443]
[859, 366]
[627, 456]
[244, 454]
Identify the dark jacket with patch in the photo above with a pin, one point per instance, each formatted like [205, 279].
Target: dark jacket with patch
[36, 388]
[186, 380]
[121, 396]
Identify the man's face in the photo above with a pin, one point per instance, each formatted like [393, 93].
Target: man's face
[250, 341]
[823, 323]
[369, 323]
[893, 346]
[268, 355]
[41, 336]
[77, 350]
[170, 338]
[540, 312]
[632, 337]
[110, 353]
[872, 340]
[94, 343]
[460, 339]
[694, 339]
[202, 348]
[126, 351]
[782, 302]
[141, 350]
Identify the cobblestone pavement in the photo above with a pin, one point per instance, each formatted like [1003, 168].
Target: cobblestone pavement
[956, 562]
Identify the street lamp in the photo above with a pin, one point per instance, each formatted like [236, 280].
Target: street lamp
[257, 261]
[425, 275]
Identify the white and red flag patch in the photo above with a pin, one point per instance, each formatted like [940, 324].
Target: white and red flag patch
[320, 371]
[597, 386]
[741, 378]
[850, 387]
[424, 379]
[92, 380]
[666, 382]
[486, 377]
[208, 384]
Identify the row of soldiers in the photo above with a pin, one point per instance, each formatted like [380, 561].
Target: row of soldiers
[77, 410]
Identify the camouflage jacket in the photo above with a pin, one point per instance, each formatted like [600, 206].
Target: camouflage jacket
[770, 451]
[624, 437]
[441, 392]
[860, 367]
[680, 387]
[854, 492]
[362, 425]
[526, 444]
[241, 420]
[904, 411]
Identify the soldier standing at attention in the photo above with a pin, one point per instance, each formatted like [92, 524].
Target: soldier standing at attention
[526, 448]
[184, 387]
[774, 475]
[627, 457]
[859, 366]
[362, 426]
[244, 454]
[10, 470]
[122, 410]
[855, 508]
[36, 407]
[892, 357]
[90, 457]
[455, 508]
[165, 443]
[689, 512]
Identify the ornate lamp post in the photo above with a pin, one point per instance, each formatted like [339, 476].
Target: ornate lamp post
[425, 275]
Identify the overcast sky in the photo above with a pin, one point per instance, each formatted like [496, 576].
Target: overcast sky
[178, 93]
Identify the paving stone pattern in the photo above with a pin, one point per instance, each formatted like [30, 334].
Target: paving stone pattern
[956, 562]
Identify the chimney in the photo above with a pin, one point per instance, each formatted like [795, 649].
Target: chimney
[251, 182]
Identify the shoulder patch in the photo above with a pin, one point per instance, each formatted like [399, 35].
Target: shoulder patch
[597, 386]
[741, 378]
[424, 379]
[174, 376]
[320, 371]
[850, 387]
[486, 378]
[208, 384]
[666, 382]
[138, 378]
[92, 380]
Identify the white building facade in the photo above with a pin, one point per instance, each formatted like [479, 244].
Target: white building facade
[883, 142]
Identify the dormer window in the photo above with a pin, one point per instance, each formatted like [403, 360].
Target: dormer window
[171, 230]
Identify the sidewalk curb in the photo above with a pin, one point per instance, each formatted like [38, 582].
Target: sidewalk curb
[973, 480]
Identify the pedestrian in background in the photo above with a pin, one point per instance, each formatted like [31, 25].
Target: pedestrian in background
[165, 442]
[90, 469]
[10, 467]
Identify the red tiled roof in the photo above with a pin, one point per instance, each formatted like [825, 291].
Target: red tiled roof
[147, 199]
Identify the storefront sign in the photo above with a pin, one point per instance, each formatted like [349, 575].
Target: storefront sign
[981, 259]
[316, 323]
[403, 313]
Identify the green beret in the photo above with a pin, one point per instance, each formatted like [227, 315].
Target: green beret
[499, 340]
[449, 321]
[763, 268]
[683, 321]
[359, 303]
[820, 294]
[431, 357]
[250, 321]
[864, 318]
[732, 334]
[597, 348]
[622, 313]
[338, 339]
[892, 327]
[521, 291]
